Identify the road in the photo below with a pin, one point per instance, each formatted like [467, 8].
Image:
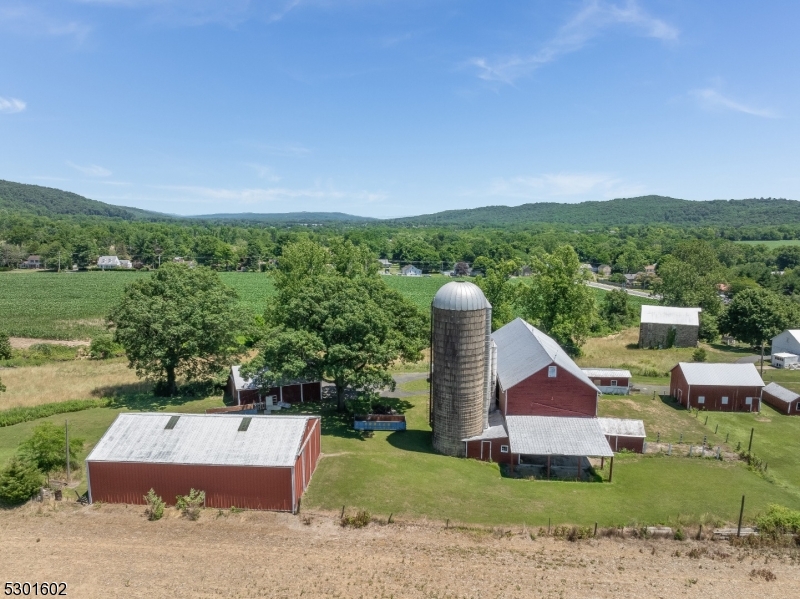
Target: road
[628, 291]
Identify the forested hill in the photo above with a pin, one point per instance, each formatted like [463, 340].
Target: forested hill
[47, 201]
[625, 211]
[287, 217]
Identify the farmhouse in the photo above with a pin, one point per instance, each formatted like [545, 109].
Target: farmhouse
[610, 380]
[665, 326]
[105, 262]
[253, 462]
[409, 270]
[623, 433]
[33, 261]
[781, 398]
[718, 387]
[244, 391]
[536, 377]
[787, 342]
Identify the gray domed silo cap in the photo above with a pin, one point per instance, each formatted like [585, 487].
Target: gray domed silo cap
[460, 295]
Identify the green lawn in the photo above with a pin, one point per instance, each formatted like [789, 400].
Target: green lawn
[773, 243]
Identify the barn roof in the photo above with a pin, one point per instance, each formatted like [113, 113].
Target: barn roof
[207, 439]
[523, 350]
[605, 373]
[720, 375]
[556, 435]
[622, 427]
[239, 382]
[670, 315]
[781, 393]
[792, 332]
[460, 295]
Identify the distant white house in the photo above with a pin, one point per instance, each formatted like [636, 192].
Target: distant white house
[105, 262]
[409, 270]
[125, 264]
[787, 342]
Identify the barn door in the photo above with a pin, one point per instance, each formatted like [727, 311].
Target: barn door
[486, 451]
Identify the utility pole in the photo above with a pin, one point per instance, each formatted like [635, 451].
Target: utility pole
[66, 434]
[59, 261]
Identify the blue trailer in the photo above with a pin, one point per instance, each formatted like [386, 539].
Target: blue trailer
[379, 422]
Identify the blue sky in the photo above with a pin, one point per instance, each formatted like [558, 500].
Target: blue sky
[391, 108]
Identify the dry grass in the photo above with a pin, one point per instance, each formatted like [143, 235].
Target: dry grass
[62, 381]
[26, 342]
[620, 351]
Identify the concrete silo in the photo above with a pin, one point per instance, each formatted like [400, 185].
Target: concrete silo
[461, 360]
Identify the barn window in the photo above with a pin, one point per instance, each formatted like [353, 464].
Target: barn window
[701, 399]
[504, 449]
[748, 401]
[173, 420]
[613, 383]
[552, 371]
[724, 401]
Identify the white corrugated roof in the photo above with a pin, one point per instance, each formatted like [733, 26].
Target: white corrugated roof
[723, 375]
[781, 393]
[239, 382]
[556, 435]
[495, 430]
[460, 295]
[784, 354]
[622, 427]
[209, 439]
[605, 373]
[523, 350]
[793, 332]
[670, 315]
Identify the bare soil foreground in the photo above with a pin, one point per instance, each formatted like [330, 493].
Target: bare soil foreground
[113, 551]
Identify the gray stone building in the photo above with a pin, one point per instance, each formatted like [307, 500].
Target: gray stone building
[665, 326]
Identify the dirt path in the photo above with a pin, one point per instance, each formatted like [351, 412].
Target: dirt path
[26, 342]
[112, 551]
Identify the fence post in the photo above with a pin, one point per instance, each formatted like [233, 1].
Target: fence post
[716, 428]
[749, 447]
[595, 529]
[706, 422]
[669, 450]
[741, 513]
[658, 438]
[726, 437]
[691, 448]
[548, 527]
[680, 441]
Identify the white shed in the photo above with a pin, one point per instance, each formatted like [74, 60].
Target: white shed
[783, 359]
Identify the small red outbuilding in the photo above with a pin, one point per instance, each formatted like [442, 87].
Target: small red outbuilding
[782, 399]
[244, 392]
[719, 387]
[253, 462]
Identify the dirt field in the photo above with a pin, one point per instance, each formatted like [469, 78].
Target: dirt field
[26, 342]
[113, 551]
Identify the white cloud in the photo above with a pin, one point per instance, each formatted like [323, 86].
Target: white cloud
[11, 105]
[91, 170]
[711, 98]
[591, 20]
[562, 186]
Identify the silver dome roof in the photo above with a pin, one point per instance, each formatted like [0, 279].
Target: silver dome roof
[460, 295]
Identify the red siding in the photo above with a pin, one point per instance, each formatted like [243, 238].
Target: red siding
[630, 443]
[491, 450]
[248, 487]
[713, 394]
[540, 395]
[792, 408]
[606, 382]
[291, 393]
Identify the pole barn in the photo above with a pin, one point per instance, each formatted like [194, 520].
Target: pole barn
[252, 462]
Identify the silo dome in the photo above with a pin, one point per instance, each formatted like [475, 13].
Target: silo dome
[461, 320]
[460, 295]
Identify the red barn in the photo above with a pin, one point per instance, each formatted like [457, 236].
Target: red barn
[244, 391]
[536, 377]
[253, 462]
[782, 399]
[717, 387]
[622, 433]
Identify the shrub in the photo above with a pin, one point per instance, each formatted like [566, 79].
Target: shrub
[360, 520]
[155, 506]
[699, 355]
[5, 347]
[45, 448]
[103, 348]
[679, 534]
[191, 504]
[779, 520]
[19, 481]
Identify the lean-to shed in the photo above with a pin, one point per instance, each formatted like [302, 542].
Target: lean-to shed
[614, 381]
[253, 462]
[782, 399]
[624, 433]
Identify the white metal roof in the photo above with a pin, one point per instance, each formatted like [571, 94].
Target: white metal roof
[784, 354]
[781, 393]
[460, 295]
[556, 435]
[670, 315]
[606, 373]
[523, 350]
[495, 430]
[208, 439]
[722, 375]
[239, 382]
[793, 332]
[622, 427]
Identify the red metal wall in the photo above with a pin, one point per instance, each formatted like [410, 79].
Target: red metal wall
[291, 393]
[606, 382]
[474, 450]
[713, 395]
[791, 408]
[257, 488]
[630, 443]
[562, 395]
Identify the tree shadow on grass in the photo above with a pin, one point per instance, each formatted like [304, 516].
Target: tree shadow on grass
[139, 397]
[671, 402]
[334, 422]
[730, 349]
[412, 440]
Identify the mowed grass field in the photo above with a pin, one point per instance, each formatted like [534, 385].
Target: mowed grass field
[773, 243]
